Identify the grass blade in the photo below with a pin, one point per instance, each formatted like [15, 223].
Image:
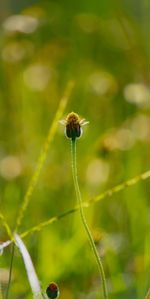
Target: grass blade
[6, 226]
[148, 295]
[86, 204]
[32, 276]
[43, 155]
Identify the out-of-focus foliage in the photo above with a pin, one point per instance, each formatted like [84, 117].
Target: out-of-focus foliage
[104, 47]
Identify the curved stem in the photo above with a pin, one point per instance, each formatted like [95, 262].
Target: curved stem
[79, 199]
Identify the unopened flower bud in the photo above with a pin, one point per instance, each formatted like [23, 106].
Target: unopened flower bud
[73, 125]
[52, 290]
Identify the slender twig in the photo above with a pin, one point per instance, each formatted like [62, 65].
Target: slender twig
[10, 270]
[79, 199]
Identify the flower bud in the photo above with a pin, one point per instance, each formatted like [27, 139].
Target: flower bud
[73, 125]
[52, 290]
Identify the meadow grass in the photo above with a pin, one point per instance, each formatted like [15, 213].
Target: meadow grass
[104, 48]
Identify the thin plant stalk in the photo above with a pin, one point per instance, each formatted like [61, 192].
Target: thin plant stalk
[10, 270]
[79, 199]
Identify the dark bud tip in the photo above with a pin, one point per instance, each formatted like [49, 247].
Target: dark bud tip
[73, 131]
[73, 127]
[52, 290]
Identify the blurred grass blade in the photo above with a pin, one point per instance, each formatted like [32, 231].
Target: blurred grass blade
[148, 295]
[86, 204]
[107, 193]
[1, 293]
[120, 187]
[32, 276]
[6, 226]
[43, 155]
[43, 224]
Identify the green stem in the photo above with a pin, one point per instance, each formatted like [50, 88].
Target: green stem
[10, 270]
[79, 199]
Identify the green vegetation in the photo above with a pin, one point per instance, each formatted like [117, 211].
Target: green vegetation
[93, 58]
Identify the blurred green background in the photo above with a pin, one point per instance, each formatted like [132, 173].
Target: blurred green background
[104, 46]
